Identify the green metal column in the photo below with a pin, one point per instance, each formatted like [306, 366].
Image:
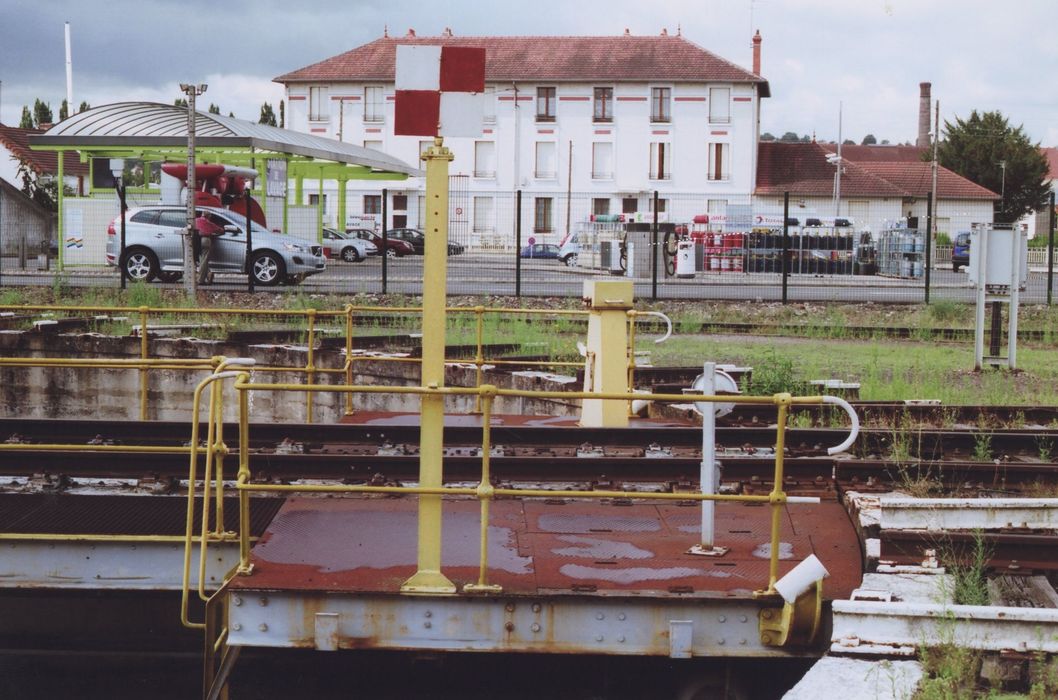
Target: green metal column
[341, 203]
[61, 155]
[319, 211]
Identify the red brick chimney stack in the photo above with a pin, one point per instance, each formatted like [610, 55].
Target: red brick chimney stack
[756, 53]
[923, 115]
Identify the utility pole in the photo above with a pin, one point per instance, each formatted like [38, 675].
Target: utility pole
[837, 181]
[190, 282]
[931, 234]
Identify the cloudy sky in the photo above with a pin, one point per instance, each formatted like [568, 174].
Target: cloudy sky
[869, 55]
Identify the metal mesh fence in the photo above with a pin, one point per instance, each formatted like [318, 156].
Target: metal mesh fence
[547, 243]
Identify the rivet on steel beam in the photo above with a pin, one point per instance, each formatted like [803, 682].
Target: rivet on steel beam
[620, 616]
[721, 641]
[722, 618]
[742, 618]
[509, 607]
[766, 614]
[263, 627]
[535, 627]
[621, 639]
[237, 601]
[509, 626]
[427, 624]
[600, 616]
[765, 639]
[428, 614]
[262, 601]
[742, 641]
[236, 627]
[598, 637]
[536, 607]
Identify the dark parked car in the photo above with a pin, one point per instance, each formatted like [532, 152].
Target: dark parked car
[395, 247]
[541, 250]
[417, 240]
[960, 251]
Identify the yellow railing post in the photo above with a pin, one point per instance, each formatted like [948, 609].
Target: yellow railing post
[777, 497]
[485, 492]
[428, 578]
[244, 472]
[310, 368]
[220, 451]
[479, 357]
[144, 312]
[631, 357]
[348, 357]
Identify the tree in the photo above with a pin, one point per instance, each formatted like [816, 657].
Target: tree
[987, 150]
[790, 136]
[848, 142]
[64, 110]
[84, 107]
[267, 115]
[214, 109]
[282, 115]
[180, 102]
[42, 114]
[231, 114]
[27, 118]
[869, 140]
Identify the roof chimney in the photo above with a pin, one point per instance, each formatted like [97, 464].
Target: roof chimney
[756, 53]
[923, 115]
[447, 31]
[411, 32]
[664, 31]
[627, 33]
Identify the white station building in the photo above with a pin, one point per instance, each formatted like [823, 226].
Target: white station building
[580, 125]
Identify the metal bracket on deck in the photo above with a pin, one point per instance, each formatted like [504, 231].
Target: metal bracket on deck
[794, 624]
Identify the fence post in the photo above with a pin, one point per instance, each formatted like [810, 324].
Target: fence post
[654, 251]
[785, 244]
[249, 240]
[1050, 252]
[929, 240]
[518, 244]
[385, 238]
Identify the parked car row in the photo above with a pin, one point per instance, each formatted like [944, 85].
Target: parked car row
[154, 246]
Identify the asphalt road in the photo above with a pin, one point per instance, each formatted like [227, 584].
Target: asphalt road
[482, 273]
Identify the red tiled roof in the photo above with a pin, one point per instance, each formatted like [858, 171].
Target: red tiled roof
[552, 58]
[1051, 154]
[802, 169]
[42, 162]
[888, 154]
[916, 179]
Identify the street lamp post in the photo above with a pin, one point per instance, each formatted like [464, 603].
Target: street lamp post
[117, 169]
[192, 91]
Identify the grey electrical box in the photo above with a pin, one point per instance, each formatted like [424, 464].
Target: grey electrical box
[1001, 247]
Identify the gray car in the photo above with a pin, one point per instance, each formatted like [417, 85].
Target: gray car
[154, 239]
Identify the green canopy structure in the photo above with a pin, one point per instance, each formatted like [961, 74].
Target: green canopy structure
[153, 132]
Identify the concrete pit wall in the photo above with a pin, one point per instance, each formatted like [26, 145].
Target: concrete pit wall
[114, 394]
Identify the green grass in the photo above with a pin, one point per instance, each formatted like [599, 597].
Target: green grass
[887, 370]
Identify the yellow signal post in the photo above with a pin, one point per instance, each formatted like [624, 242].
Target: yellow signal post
[606, 369]
[429, 580]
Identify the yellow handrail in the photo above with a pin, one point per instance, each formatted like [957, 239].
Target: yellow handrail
[484, 491]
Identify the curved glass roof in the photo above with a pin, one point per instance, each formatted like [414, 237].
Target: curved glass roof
[152, 125]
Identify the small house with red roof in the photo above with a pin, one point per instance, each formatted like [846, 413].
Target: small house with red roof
[14, 150]
[610, 118]
[878, 184]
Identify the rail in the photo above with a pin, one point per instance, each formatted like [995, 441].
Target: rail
[485, 492]
[311, 318]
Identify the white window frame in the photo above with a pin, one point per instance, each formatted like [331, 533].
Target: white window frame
[539, 171]
[660, 166]
[550, 113]
[484, 215]
[607, 116]
[718, 172]
[374, 144]
[485, 160]
[319, 109]
[489, 108]
[599, 172]
[720, 105]
[667, 117]
[374, 104]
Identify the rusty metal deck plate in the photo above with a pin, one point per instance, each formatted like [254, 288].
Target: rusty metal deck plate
[554, 547]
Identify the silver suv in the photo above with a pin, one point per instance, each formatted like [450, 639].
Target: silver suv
[154, 239]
